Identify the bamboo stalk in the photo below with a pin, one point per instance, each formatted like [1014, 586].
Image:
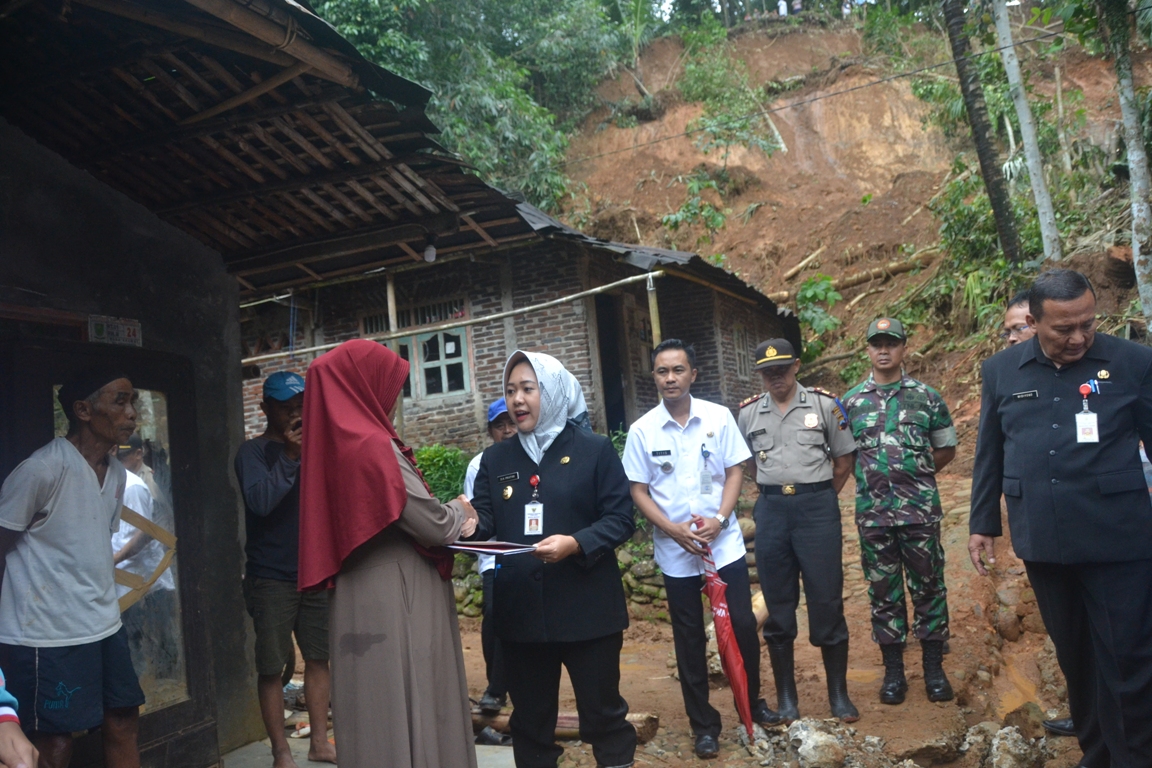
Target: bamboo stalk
[280, 38]
[254, 92]
[805, 262]
[191, 28]
[1065, 158]
[471, 321]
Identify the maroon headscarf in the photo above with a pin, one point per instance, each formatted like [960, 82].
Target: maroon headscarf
[350, 484]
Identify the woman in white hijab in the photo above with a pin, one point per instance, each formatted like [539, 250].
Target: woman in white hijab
[562, 490]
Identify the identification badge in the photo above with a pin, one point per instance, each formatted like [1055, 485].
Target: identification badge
[1086, 431]
[533, 519]
[705, 483]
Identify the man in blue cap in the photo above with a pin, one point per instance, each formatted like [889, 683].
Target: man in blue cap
[268, 469]
[500, 428]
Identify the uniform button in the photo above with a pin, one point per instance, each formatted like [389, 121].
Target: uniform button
[1055, 426]
[539, 575]
[1051, 453]
[1055, 481]
[1055, 399]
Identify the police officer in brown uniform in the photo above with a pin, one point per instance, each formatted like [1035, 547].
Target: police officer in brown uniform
[802, 454]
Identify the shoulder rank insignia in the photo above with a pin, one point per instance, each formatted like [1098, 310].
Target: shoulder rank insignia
[843, 413]
[751, 400]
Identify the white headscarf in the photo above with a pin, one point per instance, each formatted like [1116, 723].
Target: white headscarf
[561, 400]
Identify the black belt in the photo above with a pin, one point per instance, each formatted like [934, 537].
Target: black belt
[792, 490]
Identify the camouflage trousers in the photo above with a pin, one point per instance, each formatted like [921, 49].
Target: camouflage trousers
[887, 553]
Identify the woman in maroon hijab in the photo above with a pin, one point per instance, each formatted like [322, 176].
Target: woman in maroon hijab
[370, 530]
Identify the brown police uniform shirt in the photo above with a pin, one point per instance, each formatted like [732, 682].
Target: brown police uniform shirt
[796, 445]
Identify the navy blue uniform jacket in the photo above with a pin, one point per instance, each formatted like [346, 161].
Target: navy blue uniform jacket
[1068, 502]
[587, 497]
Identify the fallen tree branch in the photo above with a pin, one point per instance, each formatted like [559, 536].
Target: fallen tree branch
[805, 262]
[921, 258]
[568, 724]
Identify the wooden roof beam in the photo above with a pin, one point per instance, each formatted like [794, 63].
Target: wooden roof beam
[291, 185]
[478, 230]
[366, 239]
[286, 39]
[191, 27]
[254, 92]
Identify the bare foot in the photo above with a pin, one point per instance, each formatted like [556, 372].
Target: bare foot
[283, 759]
[322, 751]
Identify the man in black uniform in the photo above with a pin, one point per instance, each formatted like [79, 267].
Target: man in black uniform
[1061, 419]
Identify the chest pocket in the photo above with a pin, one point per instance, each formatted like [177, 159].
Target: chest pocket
[762, 446]
[866, 429]
[913, 431]
[810, 447]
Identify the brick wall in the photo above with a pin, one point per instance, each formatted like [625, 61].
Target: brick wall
[569, 332]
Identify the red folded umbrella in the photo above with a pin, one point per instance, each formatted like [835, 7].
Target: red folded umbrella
[731, 659]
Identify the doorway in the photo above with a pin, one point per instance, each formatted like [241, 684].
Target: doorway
[608, 333]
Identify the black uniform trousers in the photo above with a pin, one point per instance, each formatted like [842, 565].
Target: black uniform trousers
[489, 643]
[533, 673]
[686, 610]
[1099, 616]
[800, 536]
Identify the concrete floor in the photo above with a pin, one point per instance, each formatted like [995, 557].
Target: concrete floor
[259, 755]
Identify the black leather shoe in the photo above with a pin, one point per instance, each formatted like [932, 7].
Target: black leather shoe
[762, 715]
[784, 672]
[707, 747]
[935, 680]
[836, 670]
[895, 685]
[491, 705]
[1061, 727]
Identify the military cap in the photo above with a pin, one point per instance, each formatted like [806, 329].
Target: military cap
[774, 352]
[887, 326]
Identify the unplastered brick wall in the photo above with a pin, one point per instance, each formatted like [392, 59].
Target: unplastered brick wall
[688, 312]
[735, 318]
[538, 274]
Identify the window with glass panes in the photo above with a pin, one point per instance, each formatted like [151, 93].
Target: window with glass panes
[438, 360]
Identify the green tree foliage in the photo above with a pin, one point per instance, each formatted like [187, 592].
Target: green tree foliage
[509, 77]
[814, 300]
[443, 469]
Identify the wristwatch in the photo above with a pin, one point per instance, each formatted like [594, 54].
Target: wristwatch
[724, 521]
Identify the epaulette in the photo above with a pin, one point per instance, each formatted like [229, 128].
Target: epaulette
[839, 405]
[751, 400]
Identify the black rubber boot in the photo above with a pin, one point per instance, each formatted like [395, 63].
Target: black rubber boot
[836, 669]
[895, 685]
[935, 681]
[784, 671]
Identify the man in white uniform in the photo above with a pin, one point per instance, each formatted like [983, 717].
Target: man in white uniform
[61, 641]
[500, 428]
[685, 460]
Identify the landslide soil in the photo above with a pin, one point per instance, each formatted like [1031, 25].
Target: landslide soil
[871, 143]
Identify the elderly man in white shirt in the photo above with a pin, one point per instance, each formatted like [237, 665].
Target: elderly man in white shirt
[684, 459]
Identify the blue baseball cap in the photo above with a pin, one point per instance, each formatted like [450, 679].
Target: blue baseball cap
[496, 409]
[283, 386]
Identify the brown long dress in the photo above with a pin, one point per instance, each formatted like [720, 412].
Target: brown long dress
[399, 693]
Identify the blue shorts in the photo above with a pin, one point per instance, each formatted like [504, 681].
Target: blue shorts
[67, 689]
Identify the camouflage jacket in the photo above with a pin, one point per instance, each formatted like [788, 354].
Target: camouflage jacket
[896, 427]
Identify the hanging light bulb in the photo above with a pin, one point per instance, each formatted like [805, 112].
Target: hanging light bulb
[430, 249]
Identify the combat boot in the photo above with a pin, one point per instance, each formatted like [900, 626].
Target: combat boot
[784, 671]
[935, 681]
[895, 685]
[836, 669]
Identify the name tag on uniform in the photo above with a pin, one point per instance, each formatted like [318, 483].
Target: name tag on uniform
[1086, 431]
[705, 483]
[1031, 394]
[533, 518]
[661, 453]
[508, 478]
[757, 433]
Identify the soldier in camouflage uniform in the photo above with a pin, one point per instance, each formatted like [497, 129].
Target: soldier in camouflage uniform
[904, 435]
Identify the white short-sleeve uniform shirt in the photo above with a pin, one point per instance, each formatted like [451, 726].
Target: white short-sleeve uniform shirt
[58, 584]
[487, 562]
[673, 461]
